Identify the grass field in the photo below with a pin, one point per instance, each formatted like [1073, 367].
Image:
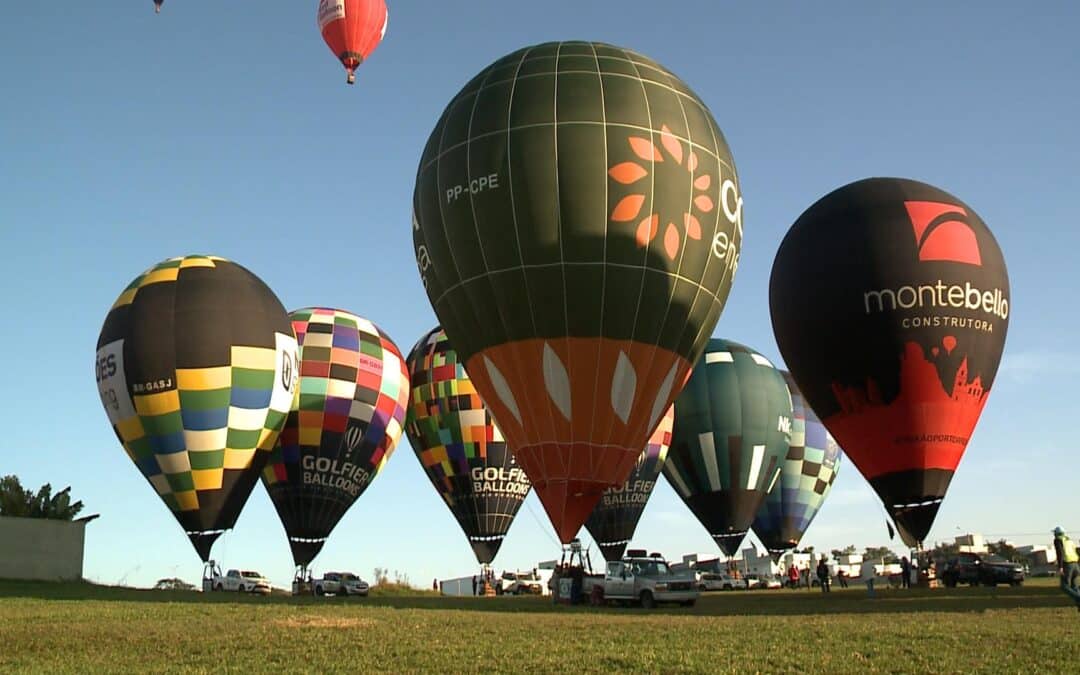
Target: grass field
[86, 628]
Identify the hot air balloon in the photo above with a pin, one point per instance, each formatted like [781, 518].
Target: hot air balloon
[613, 521]
[343, 428]
[197, 367]
[157, 6]
[896, 343]
[578, 249]
[352, 29]
[462, 451]
[806, 476]
[732, 431]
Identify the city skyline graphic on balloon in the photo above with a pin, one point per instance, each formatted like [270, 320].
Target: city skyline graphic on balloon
[890, 304]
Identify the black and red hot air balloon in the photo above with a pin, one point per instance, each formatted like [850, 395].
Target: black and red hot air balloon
[890, 304]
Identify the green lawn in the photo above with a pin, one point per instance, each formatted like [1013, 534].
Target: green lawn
[85, 628]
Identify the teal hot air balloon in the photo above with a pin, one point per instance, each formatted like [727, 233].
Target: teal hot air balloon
[732, 431]
[806, 476]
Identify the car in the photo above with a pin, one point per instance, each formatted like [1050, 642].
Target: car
[762, 581]
[715, 581]
[520, 583]
[341, 583]
[240, 581]
[976, 568]
[645, 580]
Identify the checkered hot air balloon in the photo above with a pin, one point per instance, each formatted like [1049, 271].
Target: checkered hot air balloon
[613, 521]
[577, 226]
[460, 448]
[197, 367]
[806, 477]
[732, 431]
[344, 426]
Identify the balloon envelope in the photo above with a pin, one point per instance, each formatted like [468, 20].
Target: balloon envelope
[613, 521]
[197, 366]
[732, 431]
[577, 225]
[890, 304]
[806, 477]
[344, 426]
[352, 29]
[462, 451]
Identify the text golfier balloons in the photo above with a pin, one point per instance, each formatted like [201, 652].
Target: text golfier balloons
[577, 224]
[343, 428]
[352, 30]
[806, 476]
[613, 521]
[732, 431]
[462, 451]
[197, 366]
[890, 304]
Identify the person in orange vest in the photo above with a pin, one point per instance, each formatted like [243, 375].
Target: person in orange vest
[1067, 558]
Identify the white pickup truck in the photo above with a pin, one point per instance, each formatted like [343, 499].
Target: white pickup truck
[237, 581]
[647, 580]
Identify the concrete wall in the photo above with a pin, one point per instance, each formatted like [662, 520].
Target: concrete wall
[35, 548]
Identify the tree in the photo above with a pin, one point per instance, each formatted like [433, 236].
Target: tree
[1005, 550]
[17, 501]
[877, 553]
[847, 550]
[173, 584]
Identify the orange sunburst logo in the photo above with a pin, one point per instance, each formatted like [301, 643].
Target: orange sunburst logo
[629, 207]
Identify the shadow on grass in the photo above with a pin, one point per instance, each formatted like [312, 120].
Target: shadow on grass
[738, 603]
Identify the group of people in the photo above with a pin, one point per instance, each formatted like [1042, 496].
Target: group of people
[797, 578]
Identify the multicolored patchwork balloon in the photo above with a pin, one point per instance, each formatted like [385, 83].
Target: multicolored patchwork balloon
[806, 477]
[613, 521]
[344, 426]
[460, 448]
[732, 431]
[197, 367]
[577, 222]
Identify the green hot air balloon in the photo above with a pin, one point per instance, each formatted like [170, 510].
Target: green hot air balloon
[732, 431]
[577, 222]
[197, 367]
[806, 476]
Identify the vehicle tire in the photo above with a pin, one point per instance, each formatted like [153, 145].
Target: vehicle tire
[319, 591]
[240, 588]
[647, 600]
[219, 587]
[701, 587]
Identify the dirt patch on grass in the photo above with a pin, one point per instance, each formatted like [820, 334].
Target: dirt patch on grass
[324, 622]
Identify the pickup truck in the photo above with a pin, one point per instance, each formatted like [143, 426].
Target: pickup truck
[341, 583]
[521, 583]
[646, 580]
[239, 581]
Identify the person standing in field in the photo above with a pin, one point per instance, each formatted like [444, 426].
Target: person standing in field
[823, 575]
[905, 573]
[1067, 564]
[807, 573]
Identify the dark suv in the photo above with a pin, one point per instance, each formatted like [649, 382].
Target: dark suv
[975, 568]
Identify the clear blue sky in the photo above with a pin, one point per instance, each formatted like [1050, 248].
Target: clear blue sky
[227, 128]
